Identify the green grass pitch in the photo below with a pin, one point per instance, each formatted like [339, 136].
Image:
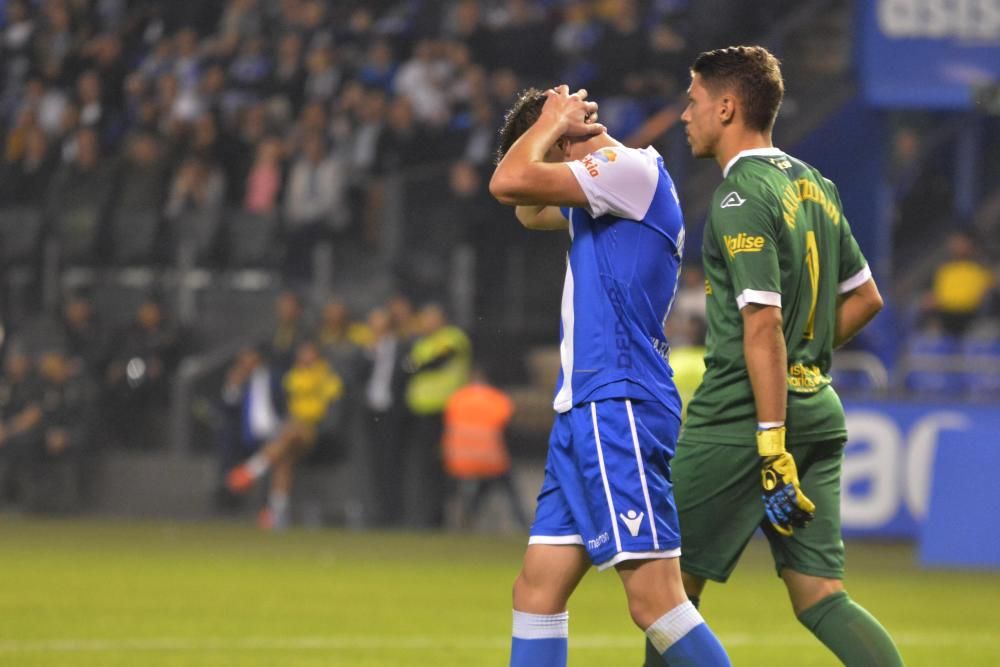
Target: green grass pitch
[107, 593]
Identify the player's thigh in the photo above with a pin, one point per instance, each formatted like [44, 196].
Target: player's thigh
[653, 587]
[818, 549]
[549, 575]
[717, 488]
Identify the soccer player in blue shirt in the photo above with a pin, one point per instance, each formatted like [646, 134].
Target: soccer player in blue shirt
[606, 499]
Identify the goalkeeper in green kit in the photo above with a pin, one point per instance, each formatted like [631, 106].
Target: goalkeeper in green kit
[785, 284]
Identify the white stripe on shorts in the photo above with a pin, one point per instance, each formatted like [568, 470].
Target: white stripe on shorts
[604, 478]
[637, 555]
[642, 475]
[555, 539]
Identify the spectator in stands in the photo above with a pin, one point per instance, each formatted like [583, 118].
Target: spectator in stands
[311, 391]
[64, 436]
[264, 179]
[422, 79]
[140, 194]
[405, 322]
[315, 204]
[25, 179]
[252, 404]
[198, 190]
[288, 80]
[384, 411]
[475, 453]
[379, 68]
[961, 286]
[438, 364]
[239, 150]
[20, 414]
[78, 197]
[19, 28]
[93, 113]
[83, 336]
[137, 376]
[342, 341]
[289, 331]
[323, 75]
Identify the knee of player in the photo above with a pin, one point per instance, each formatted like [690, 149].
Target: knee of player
[806, 591]
[531, 595]
[645, 610]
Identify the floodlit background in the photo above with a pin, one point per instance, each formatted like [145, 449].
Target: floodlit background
[190, 189]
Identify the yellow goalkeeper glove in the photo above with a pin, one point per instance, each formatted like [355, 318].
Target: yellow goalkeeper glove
[784, 503]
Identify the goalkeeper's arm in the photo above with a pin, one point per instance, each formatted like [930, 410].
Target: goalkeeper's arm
[767, 361]
[855, 309]
[766, 356]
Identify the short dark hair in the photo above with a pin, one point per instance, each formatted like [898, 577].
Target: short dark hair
[521, 116]
[753, 73]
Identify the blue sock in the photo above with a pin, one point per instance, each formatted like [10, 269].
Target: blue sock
[539, 640]
[683, 639]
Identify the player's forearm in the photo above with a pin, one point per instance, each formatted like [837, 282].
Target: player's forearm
[854, 310]
[541, 218]
[517, 172]
[767, 361]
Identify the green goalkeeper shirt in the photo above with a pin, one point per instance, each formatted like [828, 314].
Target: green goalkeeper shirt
[776, 235]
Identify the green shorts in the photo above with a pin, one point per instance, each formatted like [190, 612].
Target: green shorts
[718, 493]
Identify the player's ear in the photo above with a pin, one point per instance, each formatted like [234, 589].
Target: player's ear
[727, 109]
[564, 144]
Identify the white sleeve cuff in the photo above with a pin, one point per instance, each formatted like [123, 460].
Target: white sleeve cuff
[855, 281]
[758, 297]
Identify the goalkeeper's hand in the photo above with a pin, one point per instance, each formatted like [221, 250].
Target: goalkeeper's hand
[786, 506]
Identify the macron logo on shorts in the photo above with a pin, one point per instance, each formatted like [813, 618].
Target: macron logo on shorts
[632, 521]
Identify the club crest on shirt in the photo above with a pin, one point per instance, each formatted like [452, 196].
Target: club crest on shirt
[732, 200]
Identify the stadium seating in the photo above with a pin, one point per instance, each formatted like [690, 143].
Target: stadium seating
[197, 232]
[983, 361]
[78, 230]
[251, 240]
[134, 235]
[930, 367]
[20, 235]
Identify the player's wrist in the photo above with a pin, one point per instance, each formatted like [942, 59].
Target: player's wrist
[770, 438]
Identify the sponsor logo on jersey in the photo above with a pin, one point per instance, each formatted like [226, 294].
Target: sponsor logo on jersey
[732, 200]
[598, 541]
[591, 166]
[806, 379]
[623, 343]
[662, 348]
[632, 521]
[743, 243]
[708, 288]
[780, 162]
[606, 155]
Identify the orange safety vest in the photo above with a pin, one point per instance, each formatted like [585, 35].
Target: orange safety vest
[474, 421]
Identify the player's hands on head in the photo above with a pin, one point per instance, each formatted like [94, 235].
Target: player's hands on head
[576, 116]
[785, 505]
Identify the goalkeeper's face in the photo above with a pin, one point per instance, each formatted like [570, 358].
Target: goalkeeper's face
[703, 119]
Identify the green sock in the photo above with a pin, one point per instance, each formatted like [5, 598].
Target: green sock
[854, 635]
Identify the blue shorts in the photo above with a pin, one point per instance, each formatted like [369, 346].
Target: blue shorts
[607, 482]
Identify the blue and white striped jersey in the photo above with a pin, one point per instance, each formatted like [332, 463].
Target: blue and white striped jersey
[621, 277]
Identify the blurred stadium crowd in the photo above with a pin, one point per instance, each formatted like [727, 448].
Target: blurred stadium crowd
[223, 135]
